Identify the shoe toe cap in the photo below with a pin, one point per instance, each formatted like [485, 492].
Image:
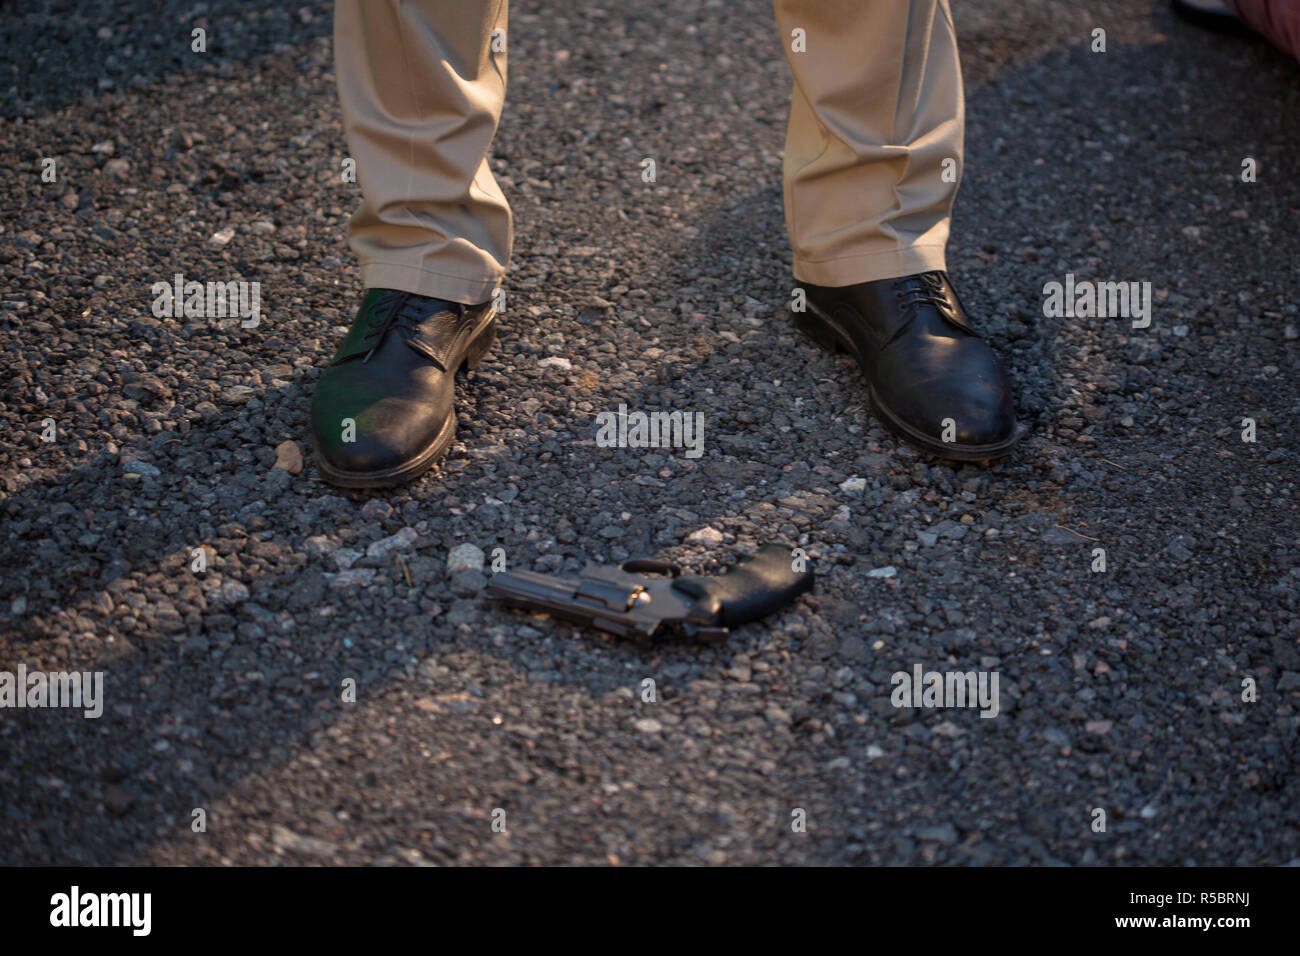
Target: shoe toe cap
[984, 416]
[968, 407]
[375, 437]
[368, 453]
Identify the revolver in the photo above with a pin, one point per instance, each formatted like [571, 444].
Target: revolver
[632, 601]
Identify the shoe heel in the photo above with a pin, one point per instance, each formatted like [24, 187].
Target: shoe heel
[481, 345]
[810, 325]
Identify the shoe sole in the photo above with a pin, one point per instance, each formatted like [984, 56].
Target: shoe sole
[478, 347]
[823, 332]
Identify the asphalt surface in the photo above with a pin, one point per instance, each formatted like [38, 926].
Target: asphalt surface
[1121, 690]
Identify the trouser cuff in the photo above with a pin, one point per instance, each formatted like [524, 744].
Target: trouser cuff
[437, 285]
[890, 264]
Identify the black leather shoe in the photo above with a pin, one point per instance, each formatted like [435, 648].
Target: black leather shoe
[1211, 14]
[924, 364]
[383, 411]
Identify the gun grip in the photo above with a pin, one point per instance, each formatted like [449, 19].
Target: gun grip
[752, 589]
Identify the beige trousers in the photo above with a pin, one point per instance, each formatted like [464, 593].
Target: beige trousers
[873, 153]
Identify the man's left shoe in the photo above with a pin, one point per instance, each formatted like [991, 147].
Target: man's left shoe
[384, 409]
[932, 381]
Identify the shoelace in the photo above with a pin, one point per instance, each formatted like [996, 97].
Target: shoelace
[926, 289]
[389, 313]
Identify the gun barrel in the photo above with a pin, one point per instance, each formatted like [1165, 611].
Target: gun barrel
[590, 601]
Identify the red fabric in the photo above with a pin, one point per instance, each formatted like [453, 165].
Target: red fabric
[1277, 20]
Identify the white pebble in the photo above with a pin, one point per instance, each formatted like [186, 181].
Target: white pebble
[710, 537]
[465, 557]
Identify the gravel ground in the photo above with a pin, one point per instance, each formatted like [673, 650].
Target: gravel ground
[1120, 691]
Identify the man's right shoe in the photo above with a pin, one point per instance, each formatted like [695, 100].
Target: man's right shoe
[384, 409]
[931, 380]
